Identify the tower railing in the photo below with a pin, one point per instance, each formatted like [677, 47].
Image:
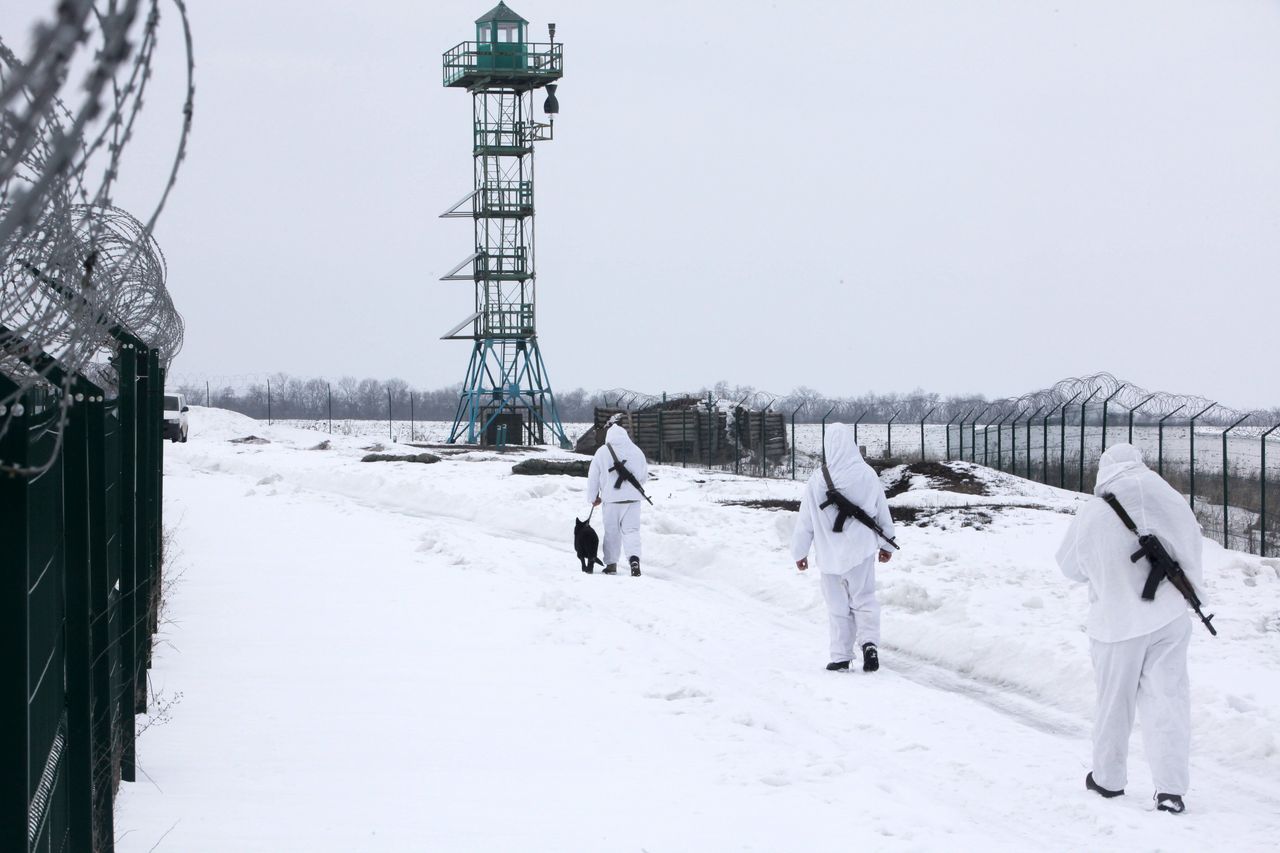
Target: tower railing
[507, 322]
[514, 60]
[505, 198]
[508, 266]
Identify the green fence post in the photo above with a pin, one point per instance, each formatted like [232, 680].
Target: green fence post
[712, 422]
[1160, 439]
[390, 436]
[1000, 440]
[1193, 453]
[922, 420]
[737, 436]
[888, 434]
[14, 629]
[412, 423]
[145, 486]
[1031, 418]
[268, 402]
[329, 393]
[973, 435]
[158, 513]
[1062, 444]
[1104, 415]
[1044, 446]
[764, 420]
[128, 392]
[824, 433]
[963, 418]
[856, 422]
[949, 422]
[793, 439]
[1134, 409]
[660, 435]
[78, 667]
[1226, 514]
[1013, 443]
[684, 438]
[1262, 514]
[103, 482]
[1082, 423]
[986, 444]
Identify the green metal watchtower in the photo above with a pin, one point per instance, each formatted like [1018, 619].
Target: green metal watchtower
[506, 395]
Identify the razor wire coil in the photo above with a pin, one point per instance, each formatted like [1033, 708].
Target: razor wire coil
[78, 275]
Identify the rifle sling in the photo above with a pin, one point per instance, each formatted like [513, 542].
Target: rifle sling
[623, 473]
[1156, 574]
[617, 466]
[841, 513]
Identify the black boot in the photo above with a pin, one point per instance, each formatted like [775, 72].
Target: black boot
[1094, 786]
[870, 657]
[838, 666]
[635, 567]
[1170, 803]
[611, 569]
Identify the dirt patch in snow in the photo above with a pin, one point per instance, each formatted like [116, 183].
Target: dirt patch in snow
[788, 506]
[566, 467]
[943, 476]
[424, 458]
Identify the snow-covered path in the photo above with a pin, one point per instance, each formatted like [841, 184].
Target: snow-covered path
[397, 657]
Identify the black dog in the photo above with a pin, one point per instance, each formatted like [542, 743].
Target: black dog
[586, 542]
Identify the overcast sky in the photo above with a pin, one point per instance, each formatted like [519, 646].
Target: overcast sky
[982, 196]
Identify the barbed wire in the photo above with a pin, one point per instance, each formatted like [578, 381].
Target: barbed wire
[1071, 393]
[78, 274]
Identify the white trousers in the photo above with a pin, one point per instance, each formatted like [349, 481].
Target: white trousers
[1149, 674]
[852, 610]
[621, 530]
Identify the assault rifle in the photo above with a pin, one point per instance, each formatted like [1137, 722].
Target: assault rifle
[846, 508]
[1162, 565]
[624, 476]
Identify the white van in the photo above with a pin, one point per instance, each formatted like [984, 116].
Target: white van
[175, 417]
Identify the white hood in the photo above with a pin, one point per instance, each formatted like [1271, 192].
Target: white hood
[618, 437]
[844, 457]
[1115, 462]
[1097, 548]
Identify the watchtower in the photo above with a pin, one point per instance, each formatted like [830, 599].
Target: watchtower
[506, 395]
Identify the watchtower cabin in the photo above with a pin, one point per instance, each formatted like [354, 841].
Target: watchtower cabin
[683, 430]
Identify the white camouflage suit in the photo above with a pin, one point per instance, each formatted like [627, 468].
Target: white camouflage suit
[622, 504]
[1139, 647]
[846, 560]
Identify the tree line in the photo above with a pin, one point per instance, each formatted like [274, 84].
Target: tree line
[290, 397]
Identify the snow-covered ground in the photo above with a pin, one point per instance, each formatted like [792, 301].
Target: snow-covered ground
[403, 657]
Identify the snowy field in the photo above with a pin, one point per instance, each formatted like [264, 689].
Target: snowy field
[404, 657]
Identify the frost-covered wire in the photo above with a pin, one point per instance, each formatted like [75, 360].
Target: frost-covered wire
[76, 272]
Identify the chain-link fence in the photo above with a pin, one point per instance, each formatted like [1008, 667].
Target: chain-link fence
[1226, 462]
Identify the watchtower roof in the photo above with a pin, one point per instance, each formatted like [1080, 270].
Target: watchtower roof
[501, 13]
